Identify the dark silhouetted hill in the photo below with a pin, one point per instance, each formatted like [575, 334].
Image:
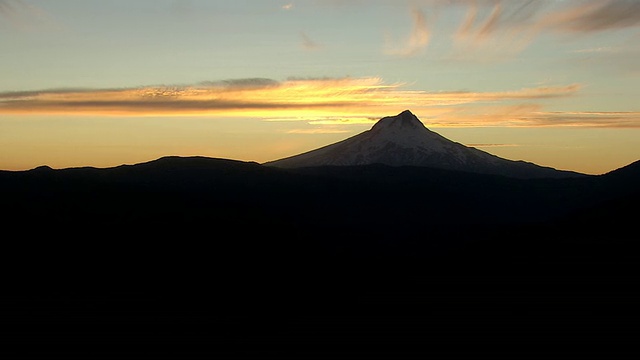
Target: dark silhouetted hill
[199, 257]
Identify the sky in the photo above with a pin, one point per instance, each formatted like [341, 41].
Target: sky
[104, 83]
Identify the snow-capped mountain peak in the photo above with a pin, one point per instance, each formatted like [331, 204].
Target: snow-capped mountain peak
[405, 119]
[407, 131]
[403, 140]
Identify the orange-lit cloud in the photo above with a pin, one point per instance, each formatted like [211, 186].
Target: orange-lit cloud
[318, 131]
[327, 120]
[319, 99]
[322, 102]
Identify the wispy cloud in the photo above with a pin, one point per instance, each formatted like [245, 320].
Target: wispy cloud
[619, 119]
[326, 120]
[492, 145]
[14, 12]
[320, 102]
[595, 15]
[256, 96]
[617, 60]
[237, 84]
[9, 7]
[486, 17]
[598, 50]
[533, 115]
[22, 15]
[308, 43]
[316, 131]
[496, 30]
[417, 40]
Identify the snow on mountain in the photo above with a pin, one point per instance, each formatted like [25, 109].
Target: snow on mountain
[403, 140]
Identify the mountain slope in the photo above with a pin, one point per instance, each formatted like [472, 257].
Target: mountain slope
[403, 140]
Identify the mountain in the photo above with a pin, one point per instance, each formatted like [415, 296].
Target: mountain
[403, 140]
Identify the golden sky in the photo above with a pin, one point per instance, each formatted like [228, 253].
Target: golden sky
[97, 83]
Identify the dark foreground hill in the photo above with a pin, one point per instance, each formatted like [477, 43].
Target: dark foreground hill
[199, 257]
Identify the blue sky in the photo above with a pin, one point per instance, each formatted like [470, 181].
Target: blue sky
[101, 83]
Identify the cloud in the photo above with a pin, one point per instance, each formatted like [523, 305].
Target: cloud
[327, 120]
[288, 6]
[317, 131]
[15, 12]
[493, 145]
[596, 15]
[247, 83]
[485, 115]
[418, 38]
[317, 101]
[524, 114]
[24, 16]
[618, 119]
[532, 115]
[598, 50]
[254, 95]
[617, 60]
[498, 30]
[8, 7]
[308, 43]
[487, 17]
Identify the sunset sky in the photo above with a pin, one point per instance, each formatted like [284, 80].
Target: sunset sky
[103, 83]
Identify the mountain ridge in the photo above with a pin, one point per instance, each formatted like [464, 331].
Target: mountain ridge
[208, 176]
[169, 159]
[218, 255]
